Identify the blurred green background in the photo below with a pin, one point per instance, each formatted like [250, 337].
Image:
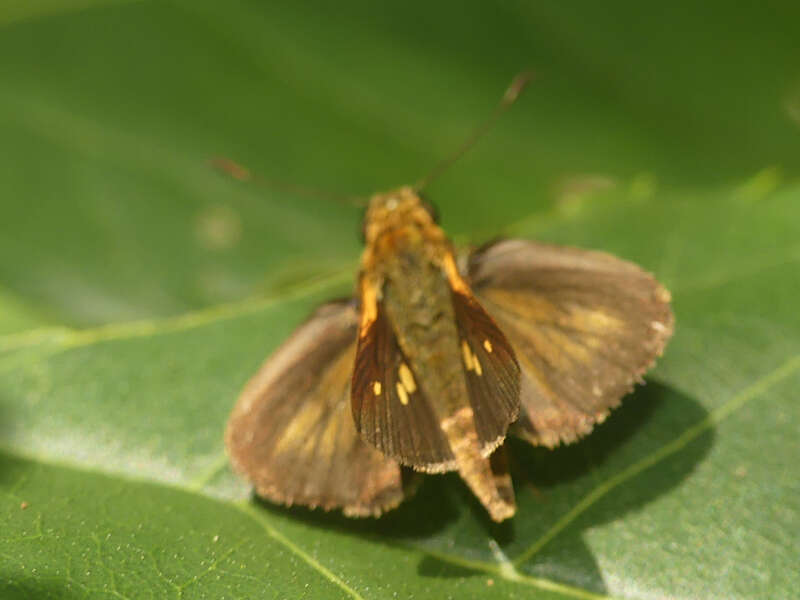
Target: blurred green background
[139, 288]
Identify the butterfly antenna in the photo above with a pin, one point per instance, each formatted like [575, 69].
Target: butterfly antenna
[241, 173]
[512, 93]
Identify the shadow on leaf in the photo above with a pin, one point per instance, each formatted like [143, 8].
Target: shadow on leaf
[16, 586]
[444, 516]
[437, 499]
[549, 483]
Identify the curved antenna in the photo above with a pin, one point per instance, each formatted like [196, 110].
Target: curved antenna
[242, 173]
[512, 93]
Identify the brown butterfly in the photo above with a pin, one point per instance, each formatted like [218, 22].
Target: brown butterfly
[437, 358]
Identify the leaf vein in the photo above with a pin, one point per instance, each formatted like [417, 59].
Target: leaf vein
[67, 339]
[788, 368]
[276, 535]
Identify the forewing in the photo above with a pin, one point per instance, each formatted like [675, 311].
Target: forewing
[585, 326]
[291, 432]
[389, 408]
[492, 372]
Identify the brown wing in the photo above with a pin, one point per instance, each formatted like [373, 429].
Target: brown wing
[492, 372]
[584, 326]
[390, 410]
[291, 432]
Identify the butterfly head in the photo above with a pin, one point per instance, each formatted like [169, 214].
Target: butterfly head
[400, 209]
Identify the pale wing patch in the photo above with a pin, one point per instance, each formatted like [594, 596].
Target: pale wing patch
[537, 309]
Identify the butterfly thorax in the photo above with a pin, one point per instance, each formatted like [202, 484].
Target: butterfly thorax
[403, 263]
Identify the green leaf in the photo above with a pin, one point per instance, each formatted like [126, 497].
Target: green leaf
[139, 289]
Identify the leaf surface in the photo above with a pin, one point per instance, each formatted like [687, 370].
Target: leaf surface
[140, 289]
